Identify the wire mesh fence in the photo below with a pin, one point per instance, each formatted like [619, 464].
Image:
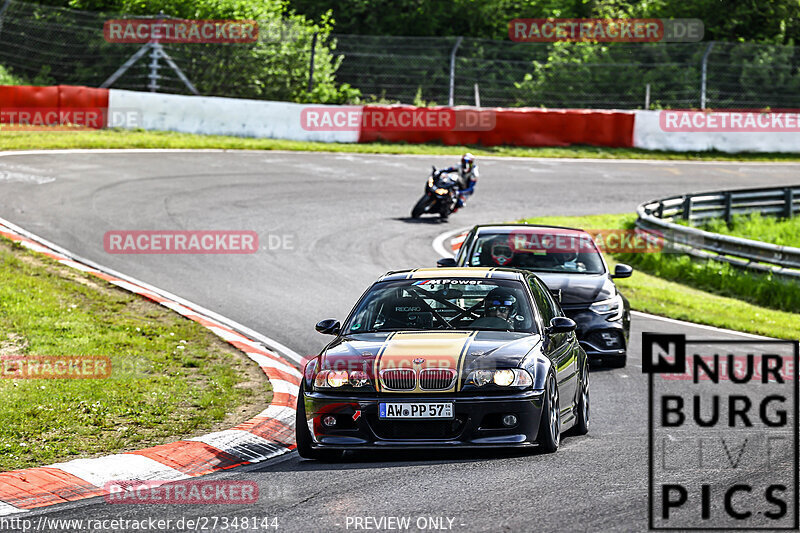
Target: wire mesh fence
[576, 75]
[47, 45]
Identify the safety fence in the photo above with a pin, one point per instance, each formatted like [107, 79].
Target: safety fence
[659, 216]
[294, 61]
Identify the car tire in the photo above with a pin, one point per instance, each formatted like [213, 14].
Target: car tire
[549, 436]
[617, 362]
[582, 412]
[303, 436]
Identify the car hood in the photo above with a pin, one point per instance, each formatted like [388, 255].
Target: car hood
[579, 288]
[460, 350]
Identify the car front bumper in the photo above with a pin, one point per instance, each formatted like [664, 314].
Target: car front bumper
[595, 331]
[477, 422]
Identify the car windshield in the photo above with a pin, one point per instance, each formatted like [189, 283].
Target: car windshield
[440, 304]
[538, 250]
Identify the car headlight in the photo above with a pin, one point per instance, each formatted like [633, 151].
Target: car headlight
[507, 377]
[334, 379]
[612, 307]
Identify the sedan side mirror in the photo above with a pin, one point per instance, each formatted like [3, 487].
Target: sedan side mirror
[329, 327]
[561, 324]
[446, 262]
[622, 271]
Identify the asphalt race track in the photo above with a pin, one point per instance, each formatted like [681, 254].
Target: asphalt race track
[344, 216]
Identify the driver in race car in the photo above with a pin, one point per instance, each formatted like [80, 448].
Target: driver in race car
[467, 178]
[500, 303]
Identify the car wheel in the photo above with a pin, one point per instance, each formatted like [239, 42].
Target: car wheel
[617, 362]
[303, 436]
[550, 422]
[582, 411]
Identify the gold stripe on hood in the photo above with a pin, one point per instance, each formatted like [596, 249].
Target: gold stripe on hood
[435, 349]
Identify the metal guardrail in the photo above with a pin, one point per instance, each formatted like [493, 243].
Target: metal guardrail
[657, 216]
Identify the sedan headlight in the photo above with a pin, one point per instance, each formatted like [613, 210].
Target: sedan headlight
[507, 377]
[612, 307]
[334, 379]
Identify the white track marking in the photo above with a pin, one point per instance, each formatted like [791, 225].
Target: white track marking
[438, 243]
[699, 326]
[425, 156]
[6, 509]
[119, 467]
[243, 444]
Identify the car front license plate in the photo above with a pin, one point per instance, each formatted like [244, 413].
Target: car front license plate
[440, 410]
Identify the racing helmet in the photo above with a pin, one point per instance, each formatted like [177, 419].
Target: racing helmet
[501, 251]
[500, 300]
[467, 162]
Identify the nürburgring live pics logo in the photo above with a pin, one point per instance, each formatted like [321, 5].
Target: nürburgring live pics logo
[723, 433]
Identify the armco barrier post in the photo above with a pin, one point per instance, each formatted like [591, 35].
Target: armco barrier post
[687, 208]
[789, 196]
[728, 205]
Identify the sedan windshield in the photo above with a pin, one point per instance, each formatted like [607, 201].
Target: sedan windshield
[538, 250]
[440, 304]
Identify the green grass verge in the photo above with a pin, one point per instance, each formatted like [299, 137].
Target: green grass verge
[171, 378]
[694, 298]
[761, 228]
[51, 140]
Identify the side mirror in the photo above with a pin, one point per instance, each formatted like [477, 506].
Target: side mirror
[561, 324]
[446, 262]
[329, 327]
[622, 271]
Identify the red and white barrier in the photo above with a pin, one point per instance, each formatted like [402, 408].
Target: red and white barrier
[362, 124]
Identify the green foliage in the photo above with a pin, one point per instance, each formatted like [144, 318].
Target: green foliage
[761, 228]
[276, 67]
[765, 290]
[776, 21]
[7, 78]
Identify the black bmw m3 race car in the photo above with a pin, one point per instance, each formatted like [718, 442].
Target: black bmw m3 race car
[452, 358]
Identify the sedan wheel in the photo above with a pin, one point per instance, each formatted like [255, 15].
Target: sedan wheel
[582, 414]
[550, 424]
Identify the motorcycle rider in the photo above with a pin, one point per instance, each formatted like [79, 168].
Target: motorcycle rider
[467, 178]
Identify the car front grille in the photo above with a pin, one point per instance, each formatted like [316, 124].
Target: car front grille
[399, 379]
[436, 378]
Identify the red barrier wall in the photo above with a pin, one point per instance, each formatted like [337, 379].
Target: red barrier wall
[83, 106]
[514, 127]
